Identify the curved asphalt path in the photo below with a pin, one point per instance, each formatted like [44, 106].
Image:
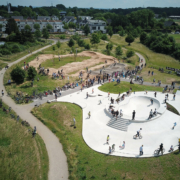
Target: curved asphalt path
[58, 167]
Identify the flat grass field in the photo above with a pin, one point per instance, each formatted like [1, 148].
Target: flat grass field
[63, 61]
[45, 82]
[115, 88]
[21, 156]
[153, 59]
[85, 163]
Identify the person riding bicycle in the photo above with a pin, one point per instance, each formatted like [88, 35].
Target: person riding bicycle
[161, 148]
[138, 132]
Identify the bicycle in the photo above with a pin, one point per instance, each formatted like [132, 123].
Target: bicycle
[156, 152]
[136, 136]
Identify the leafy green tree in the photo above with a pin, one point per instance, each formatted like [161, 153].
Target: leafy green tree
[37, 34]
[129, 53]
[63, 36]
[129, 39]
[66, 26]
[135, 33]
[18, 75]
[122, 33]
[31, 73]
[27, 28]
[87, 46]
[61, 6]
[1, 27]
[49, 27]
[81, 43]
[86, 30]
[45, 33]
[119, 51]
[143, 37]
[95, 39]
[36, 26]
[104, 37]
[110, 32]
[109, 46]
[58, 44]
[11, 26]
[71, 43]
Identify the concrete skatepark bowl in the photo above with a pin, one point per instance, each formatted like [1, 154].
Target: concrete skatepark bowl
[141, 104]
[154, 131]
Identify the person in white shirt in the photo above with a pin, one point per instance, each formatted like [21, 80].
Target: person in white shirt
[138, 132]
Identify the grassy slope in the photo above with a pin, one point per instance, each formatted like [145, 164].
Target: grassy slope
[15, 56]
[2, 64]
[21, 156]
[63, 61]
[176, 37]
[125, 86]
[84, 163]
[152, 59]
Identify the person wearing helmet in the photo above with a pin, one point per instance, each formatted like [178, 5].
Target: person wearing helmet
[161, 148]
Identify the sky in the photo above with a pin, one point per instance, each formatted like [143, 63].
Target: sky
[108, 4]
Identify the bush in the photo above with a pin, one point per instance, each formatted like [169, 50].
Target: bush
[18, 75]
[15, 49]
[5, 51]
[31, 73]
[63, 36]
[129, 53]
[104, 37]
[87, 46]
[109, 46]
[81, 43]
[0, 55]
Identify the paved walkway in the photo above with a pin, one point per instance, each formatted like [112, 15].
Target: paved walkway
[58, 167]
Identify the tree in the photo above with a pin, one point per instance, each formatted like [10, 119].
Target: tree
[61, 6]
[129, 53]
[81, 43]
[27, 28]
[109, 46]
[58, 44]
[86, 30]
[119, 51]
[11, 26]
[49, 27]
[110, 32]
[122, 33]
[71, 43]
[45, 33]
[104, 37]
[129, 39]
[37, 34]
[143, 37]
[18, 75]
[31, 73]
[95, 39]
[36, 26]
[87, 46]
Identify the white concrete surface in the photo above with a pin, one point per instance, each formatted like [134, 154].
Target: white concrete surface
[154, 132]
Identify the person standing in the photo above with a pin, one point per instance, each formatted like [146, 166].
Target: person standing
[133, 115]
[87, 95]
[174, 96]
[174, 125]
[74, 120]
[109, 149]
[141, 150]
[154, 80]
[56, 96]
[160, 149]
[155, 94]
[107, 139]
[2, 93]
[34, 132]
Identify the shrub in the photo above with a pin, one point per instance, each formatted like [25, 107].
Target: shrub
[18, 75]
[15, 49]
[63, 36]
[5, 51]
[109, 46]
[87, 46]
[31, 72]
[81, 43]
[104, 37]
[129, 53]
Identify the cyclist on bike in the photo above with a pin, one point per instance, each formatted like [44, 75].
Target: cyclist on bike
[161, 148]
[138, 132]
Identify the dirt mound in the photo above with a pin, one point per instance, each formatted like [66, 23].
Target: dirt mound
[76, 67]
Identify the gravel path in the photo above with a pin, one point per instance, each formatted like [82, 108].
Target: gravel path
[58, 167]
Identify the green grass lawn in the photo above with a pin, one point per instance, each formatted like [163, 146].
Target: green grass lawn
[63, 61]
[115, 88]
[21, 156]
[84, 163]
[2, 64]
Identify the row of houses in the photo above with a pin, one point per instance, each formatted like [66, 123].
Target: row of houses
[57, 25]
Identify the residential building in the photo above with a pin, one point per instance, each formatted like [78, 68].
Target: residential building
[62, 13]
[169, 23]
[68, 19]
[174, 17]
[85, 17]
[97, 25]
[17, 17]
[57, 26]
[55, 18]
[43, 18]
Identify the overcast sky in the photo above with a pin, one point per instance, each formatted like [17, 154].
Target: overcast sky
[96, 3]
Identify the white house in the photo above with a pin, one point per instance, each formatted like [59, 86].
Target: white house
[3, 22]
